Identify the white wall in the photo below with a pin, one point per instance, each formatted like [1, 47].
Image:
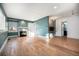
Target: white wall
[58, 27]
[2, 21]
[31, 29]
[72, 28]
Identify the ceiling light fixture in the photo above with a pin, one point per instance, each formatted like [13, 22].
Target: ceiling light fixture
[55, 7]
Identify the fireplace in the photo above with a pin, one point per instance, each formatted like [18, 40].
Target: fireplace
[23, 33]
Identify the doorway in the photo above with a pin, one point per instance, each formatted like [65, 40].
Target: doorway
[64, 28]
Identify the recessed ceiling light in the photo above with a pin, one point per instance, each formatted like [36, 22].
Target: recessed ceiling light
[55, 7]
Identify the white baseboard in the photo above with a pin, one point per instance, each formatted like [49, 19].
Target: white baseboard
[3, 44]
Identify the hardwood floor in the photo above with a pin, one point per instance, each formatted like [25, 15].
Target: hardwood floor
[57, 46]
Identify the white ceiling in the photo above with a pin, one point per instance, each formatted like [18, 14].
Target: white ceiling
[34, 11]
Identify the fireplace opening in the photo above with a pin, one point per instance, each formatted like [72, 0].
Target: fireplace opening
[23, 33]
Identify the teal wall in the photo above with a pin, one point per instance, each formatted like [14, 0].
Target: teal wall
[42, 26]
[19, 23]
[10, 25]
[3, 36]
[16, 23]
[3, 33]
